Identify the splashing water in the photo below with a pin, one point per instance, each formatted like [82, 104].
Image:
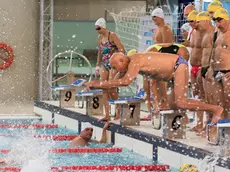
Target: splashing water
[30, 153]
[208, 163]
[37, 165]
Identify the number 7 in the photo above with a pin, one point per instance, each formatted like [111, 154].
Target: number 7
[132, 108]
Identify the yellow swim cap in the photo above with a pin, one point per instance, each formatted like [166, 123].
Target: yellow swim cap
[192, 15]
[188, 168]
[214, 6]
[221, 13]
[131, 52]
[203, 16]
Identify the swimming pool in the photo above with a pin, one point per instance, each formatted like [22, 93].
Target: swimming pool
[25, 148]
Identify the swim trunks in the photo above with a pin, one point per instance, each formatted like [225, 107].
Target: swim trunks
[194, 70]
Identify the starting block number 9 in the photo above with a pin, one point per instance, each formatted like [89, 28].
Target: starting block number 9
[96, 102]
[132, 109]
[68, 96]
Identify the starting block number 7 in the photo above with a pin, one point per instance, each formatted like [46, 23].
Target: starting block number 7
[132, 109]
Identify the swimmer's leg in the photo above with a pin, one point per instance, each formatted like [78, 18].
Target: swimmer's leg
[181, 89]
[196, 92]
[162, 94]
[146, 88]
[226, 89]
[113, 93]
[104, 77]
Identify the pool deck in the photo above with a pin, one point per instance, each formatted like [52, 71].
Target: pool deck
[193, 146]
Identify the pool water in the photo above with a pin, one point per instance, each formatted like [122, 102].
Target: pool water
[25, 147]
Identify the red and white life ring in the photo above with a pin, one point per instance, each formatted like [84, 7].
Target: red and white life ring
[7, 61]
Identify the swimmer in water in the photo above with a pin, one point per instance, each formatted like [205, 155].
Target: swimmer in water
[86, 134]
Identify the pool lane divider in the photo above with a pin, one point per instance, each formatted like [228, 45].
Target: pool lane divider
[78, 150]
[48, 137]
[156, 168]
[25, 126]
[56, 137]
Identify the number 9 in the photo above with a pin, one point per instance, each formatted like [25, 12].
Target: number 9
[68, 96]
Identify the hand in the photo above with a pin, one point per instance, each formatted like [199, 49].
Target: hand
[97, 73]
[106, 126]
[92, 84]
[227, 76]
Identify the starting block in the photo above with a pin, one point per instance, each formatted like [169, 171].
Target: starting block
[173, 124]
[67, 93]
[94, 102]
[130, 109]
[221, 135]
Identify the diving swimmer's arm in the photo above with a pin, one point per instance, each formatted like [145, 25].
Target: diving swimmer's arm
[130, 75]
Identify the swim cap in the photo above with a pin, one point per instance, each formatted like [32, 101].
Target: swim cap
[214, 6]
[131, 52]
[188, 168]
[101, 22]
[192, 15]
[86, 125]
[221, 13]
[186, 27]
[203, 16]
[158, 12]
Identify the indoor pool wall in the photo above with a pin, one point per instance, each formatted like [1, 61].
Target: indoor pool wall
[156, 148]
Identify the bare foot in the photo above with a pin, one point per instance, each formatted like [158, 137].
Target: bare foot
[117, 118]
[197, 128]
[217, 116]
[164, 106]
[104, 119]
[202, 133]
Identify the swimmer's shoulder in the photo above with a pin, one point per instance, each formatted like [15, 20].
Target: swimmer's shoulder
[113, 35]
[167, 28]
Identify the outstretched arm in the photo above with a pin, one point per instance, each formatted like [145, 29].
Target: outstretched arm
[130, 75]
[103, 135]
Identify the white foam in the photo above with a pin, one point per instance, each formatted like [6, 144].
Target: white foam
[37, 165]
[28, 151]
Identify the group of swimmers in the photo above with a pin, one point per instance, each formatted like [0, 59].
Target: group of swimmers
[166, 65]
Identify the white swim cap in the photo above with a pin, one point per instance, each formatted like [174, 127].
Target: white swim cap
[101, 22]
[186, 27]
[86, 125]
[158, 12]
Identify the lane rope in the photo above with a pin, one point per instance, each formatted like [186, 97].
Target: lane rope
[101, 167]
[56, 137]
[28, 125]
[77, 150]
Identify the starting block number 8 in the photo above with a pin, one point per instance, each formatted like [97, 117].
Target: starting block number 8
[96, 102]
